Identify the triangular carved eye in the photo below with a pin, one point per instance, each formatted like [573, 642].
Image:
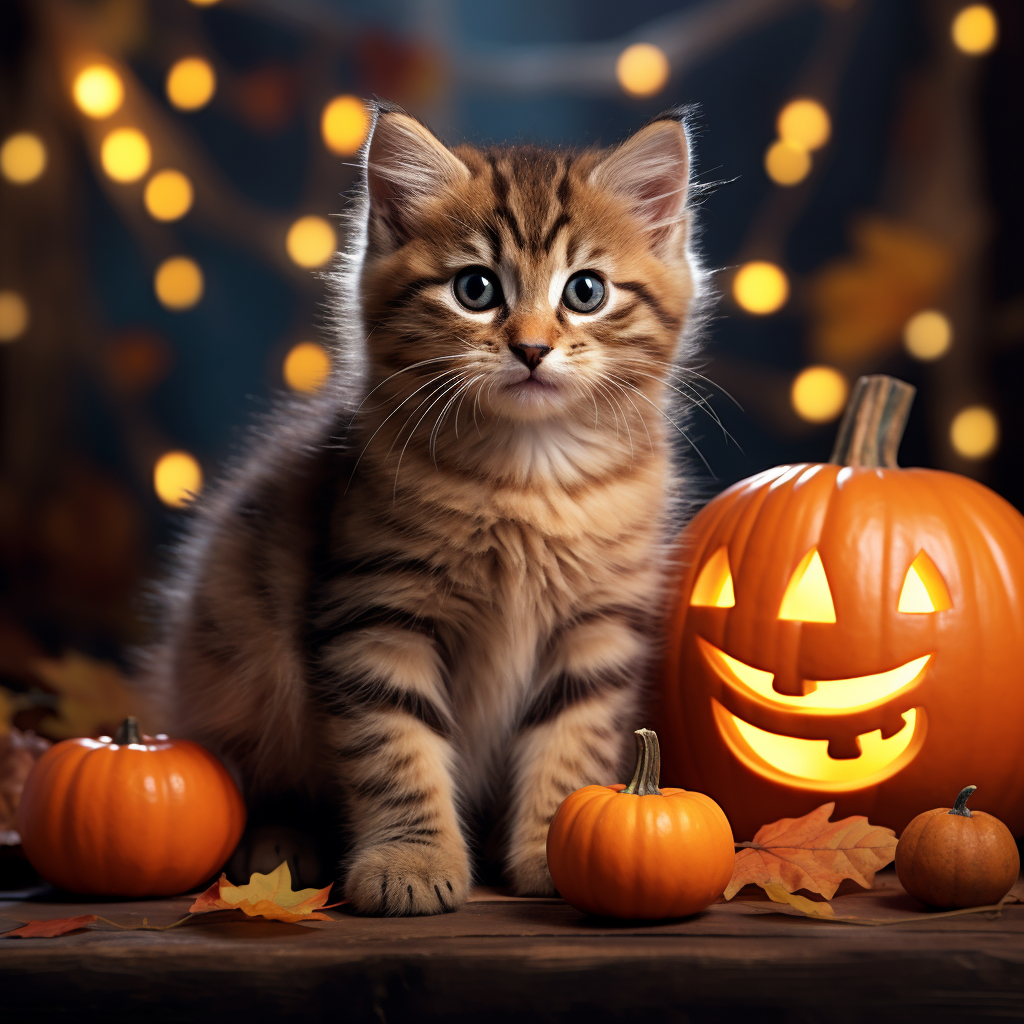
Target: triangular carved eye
[808, 598]
[924, 589]
[714, 588]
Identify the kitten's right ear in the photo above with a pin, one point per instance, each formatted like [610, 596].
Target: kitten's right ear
[406, 166]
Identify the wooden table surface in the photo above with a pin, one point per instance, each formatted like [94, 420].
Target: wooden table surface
[500, 959]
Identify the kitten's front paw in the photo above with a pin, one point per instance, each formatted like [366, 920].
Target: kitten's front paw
[529, 876]
[398, 880]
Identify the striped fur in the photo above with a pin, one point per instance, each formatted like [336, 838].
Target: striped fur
[432, 592]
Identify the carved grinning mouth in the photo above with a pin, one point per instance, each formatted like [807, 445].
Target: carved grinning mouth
[807, 762]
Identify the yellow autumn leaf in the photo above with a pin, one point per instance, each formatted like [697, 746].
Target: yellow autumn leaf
[92, 696]
[265, 896]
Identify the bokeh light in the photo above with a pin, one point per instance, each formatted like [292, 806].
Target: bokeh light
[177, 477]
[311, 241]
[13, 315]
[306, 366]
[787, 163]
[22, 158]
[760, 287]
[974, 432]
[125, 155]
[191, 83]
[178, 283]
[344, 124]
[928, 335]
[975, 29]
[804, 122]
[98, 90]
[819, 394]
[204, 3]
[168, 195]
[642, 69]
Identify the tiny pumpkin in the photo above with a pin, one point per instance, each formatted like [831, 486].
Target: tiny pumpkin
[638, 851]
[953, 857]
[129, 816]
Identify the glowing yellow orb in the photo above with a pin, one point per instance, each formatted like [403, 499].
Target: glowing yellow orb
[974, 432]
[804, 122]
[760, 287]
[13, 315]
[311, 241]
[177, 478]
[178, 283]
[191, 83]
[642, 69]
[819, 394]
[98, 90]
[928, 335]
[306, 366]
[125, 155]
[787, 163]
[168, 195]
[22, 158]
[975, 29]
[344, 124]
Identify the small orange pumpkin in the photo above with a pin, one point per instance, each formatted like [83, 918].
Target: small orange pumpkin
[132, 816]
[951, 857]
[638, 851]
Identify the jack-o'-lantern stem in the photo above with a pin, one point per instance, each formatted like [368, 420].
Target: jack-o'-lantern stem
[648, 764]
[960, 807]
[872, 426]
[128, 731]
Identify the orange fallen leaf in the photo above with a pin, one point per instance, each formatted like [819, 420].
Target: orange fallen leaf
[813, 853]
[50, 929]
[265, 896]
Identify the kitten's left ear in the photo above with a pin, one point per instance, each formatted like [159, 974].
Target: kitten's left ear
[651, 171]
[406, 167]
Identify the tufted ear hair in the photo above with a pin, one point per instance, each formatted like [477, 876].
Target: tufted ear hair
[406, 166]
[651, 171]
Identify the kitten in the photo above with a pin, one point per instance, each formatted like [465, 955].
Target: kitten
[433, 591]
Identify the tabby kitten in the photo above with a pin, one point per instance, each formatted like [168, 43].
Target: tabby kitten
[432, 591]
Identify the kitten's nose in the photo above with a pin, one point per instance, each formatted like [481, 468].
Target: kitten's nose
[530, 355]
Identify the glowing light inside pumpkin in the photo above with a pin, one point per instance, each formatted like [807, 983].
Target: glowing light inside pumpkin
[714, 588]
[852, 694]
[924, 589]
[807, 597]
[809, 759]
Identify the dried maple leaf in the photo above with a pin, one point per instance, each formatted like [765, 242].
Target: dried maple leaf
[265, 896]
[93, 696]
[813, 853]
[50, 929]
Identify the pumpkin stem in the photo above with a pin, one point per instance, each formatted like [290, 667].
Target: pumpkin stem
[648, 764]
[128, 731]
[872, 426]
[960, 807]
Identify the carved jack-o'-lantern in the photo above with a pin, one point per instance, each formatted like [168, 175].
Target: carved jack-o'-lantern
[850, 632]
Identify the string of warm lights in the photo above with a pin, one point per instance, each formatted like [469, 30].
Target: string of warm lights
[640, 69]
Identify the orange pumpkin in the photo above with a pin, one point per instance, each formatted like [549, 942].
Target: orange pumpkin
[638, 851]
[829, 623]
[953, 857]
[132, 816]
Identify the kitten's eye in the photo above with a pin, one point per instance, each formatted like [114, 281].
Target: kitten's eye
[583, 292]
[478, 288]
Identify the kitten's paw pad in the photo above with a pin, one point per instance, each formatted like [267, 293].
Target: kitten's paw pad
[396, 880]
[529, 876]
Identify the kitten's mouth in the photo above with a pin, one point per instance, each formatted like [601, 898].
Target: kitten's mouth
[532, 383]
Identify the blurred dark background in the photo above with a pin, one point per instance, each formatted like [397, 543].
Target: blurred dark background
[146, 316]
